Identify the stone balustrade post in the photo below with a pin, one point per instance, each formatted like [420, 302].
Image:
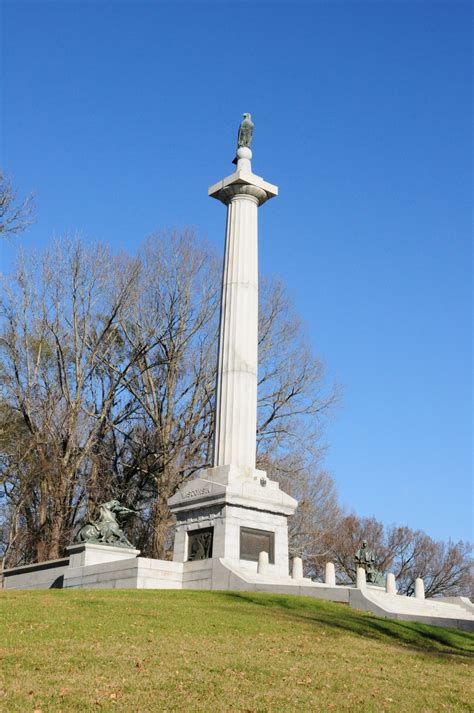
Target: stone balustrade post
[361, 581]
[330, 575]
[297, 568]
[390, 584]
[419, 588]
[262, 567]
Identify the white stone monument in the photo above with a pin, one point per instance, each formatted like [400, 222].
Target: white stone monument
[232, 520]
[232, 510]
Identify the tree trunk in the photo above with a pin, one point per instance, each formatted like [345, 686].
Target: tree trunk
[161, 522]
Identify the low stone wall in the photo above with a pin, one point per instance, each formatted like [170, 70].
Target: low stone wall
[463, 602]
[198, 575]
[43, 575]
[125, 570]
[159, 574]
[133, 573]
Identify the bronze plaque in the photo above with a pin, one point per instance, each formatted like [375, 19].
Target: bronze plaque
[200, 544]
[254, 541]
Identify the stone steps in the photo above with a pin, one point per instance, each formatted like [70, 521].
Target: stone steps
[399, 604]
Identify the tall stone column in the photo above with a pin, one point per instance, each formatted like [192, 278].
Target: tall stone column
[233, 512]
[236, 397]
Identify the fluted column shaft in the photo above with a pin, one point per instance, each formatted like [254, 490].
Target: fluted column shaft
[236, 398]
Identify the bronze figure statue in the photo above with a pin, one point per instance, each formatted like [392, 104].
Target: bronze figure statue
[106, 530]
[366, 559]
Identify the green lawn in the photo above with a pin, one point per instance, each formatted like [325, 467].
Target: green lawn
[188, 651]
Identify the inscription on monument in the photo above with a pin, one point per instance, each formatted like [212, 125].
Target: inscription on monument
[200, 544]
[195, 493]
[254, 541]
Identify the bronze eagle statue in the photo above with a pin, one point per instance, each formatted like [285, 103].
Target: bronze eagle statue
[245, 134]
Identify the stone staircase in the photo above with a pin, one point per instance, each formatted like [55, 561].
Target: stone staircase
[454, 612]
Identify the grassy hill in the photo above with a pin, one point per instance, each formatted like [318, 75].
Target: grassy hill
[188, 651]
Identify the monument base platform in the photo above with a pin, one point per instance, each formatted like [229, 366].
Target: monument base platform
[232, 513]
[132, 572]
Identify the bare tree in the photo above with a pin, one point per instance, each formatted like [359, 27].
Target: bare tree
[15, 214]
[444, 567]
[293, 395]
[170, 435]
[110, 364]
[58, 328]
[314, 526]
[172, 329]
[294, 401]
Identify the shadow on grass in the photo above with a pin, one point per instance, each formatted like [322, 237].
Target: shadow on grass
[423, 637]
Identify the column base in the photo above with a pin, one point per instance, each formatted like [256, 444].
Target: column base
[233, 513]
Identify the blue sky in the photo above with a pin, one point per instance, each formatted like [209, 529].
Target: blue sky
[119, 115]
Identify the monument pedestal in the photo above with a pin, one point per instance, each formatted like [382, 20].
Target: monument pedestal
[83, 554]
[233, 513]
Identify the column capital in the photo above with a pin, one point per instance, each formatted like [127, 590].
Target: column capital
[243, 183]
[242, 189]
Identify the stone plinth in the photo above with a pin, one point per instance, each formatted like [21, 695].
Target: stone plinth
[230, 502]
[84, 554]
